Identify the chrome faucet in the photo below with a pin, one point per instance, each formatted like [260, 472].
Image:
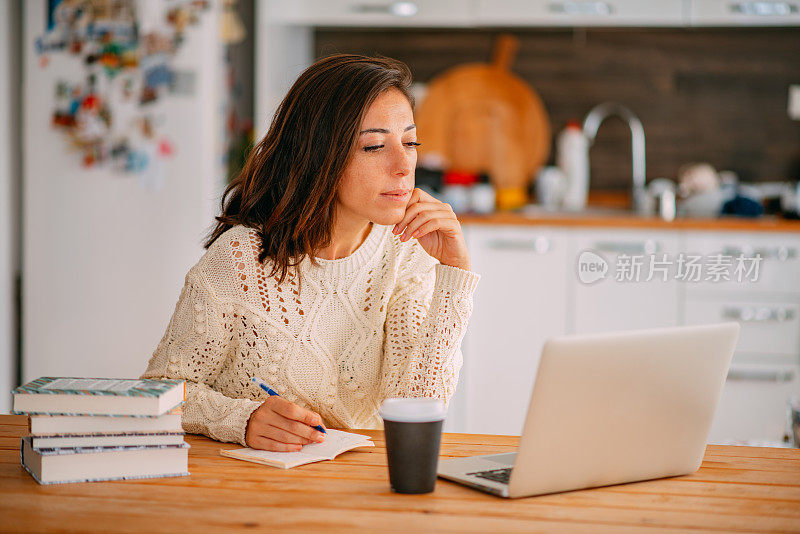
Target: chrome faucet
[592, 123]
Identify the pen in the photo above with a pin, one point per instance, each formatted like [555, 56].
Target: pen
[260, 383]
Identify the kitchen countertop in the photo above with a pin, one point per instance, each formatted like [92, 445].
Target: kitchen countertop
[742, 489]
[599, 219]
[610, 209]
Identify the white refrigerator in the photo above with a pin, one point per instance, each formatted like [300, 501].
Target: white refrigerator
[105, 253]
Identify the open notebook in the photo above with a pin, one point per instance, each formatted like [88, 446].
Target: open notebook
[336, 442]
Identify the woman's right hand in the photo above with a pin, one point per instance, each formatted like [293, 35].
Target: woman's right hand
[280, 425]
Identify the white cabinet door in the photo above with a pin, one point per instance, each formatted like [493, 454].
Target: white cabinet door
[744, 12]
[767, 326]
[766, 303]
[638, 289]
[754, 401]
[370, 12]
[580, 13]
[519, 303]
[745, 261]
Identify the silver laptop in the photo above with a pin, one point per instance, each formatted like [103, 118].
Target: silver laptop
[611, 408]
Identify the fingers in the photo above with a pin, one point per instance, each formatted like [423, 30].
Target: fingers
[439, 218]
[291, 410]
[416, 194]
[412, 210]
[267, 444]
[297, 428]
[268, 429]
[416, 209]
[426, 227]
[295, 420]
[419, 195]
[279, 434]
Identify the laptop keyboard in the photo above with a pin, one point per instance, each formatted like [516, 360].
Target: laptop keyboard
[497, 475]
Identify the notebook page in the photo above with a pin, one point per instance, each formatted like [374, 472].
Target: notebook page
[336, 441]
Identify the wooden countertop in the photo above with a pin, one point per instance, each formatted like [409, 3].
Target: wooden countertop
[742, 489]
[610, 210]
[763, 224]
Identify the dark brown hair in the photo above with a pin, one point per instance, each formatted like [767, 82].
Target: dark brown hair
[287, 187]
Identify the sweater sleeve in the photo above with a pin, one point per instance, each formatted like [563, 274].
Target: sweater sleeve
[426, 322]
[194, 348]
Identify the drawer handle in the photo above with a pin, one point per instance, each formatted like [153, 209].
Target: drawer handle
[762, 8]
[781, 253]
[761, 375]
[602, 9]
[539, 245]
[620, 247]
[750, 314]
[398, 9]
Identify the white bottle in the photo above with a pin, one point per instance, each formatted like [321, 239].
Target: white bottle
[572, 157]
[482, 197]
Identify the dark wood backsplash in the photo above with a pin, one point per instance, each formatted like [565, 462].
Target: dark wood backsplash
[715, 95]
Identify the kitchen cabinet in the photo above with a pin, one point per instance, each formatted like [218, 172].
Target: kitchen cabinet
[579, 13]
[744, 13]
[371, 13]
[754, 400]
[765, 370]
[531, 290]
[766, 326]
[519, 302]
[531, 13]
[778, 269]
[639, 289]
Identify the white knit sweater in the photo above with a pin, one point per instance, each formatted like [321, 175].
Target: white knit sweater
[386, 321]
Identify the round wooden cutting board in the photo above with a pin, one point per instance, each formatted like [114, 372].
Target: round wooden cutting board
[482, 118]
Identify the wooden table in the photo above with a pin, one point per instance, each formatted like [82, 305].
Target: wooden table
[737, 489]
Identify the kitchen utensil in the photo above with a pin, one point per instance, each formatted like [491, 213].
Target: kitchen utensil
[483, 118]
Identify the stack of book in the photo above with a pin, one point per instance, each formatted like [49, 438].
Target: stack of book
[87, 429]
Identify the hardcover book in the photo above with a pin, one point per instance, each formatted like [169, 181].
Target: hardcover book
[52, 466]
[98, 396]
[50, 425]
[106, 440]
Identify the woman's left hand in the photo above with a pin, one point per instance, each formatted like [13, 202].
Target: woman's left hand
[434, 224]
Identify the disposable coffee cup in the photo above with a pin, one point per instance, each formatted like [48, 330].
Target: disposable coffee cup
[413, 431]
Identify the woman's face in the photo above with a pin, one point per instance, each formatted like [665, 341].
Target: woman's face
[384, 161]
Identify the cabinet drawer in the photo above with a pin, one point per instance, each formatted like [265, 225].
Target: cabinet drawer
[618, 301]
[371, 12]
[580, 12]
[778, 269]
[744, 13]
[766, 326]
[754, 401]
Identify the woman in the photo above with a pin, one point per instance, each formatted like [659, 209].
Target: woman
[379, 293]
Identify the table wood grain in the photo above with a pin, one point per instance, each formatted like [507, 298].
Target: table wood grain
[737, 489]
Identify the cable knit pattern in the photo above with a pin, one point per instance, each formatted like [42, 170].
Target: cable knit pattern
[386, 321]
